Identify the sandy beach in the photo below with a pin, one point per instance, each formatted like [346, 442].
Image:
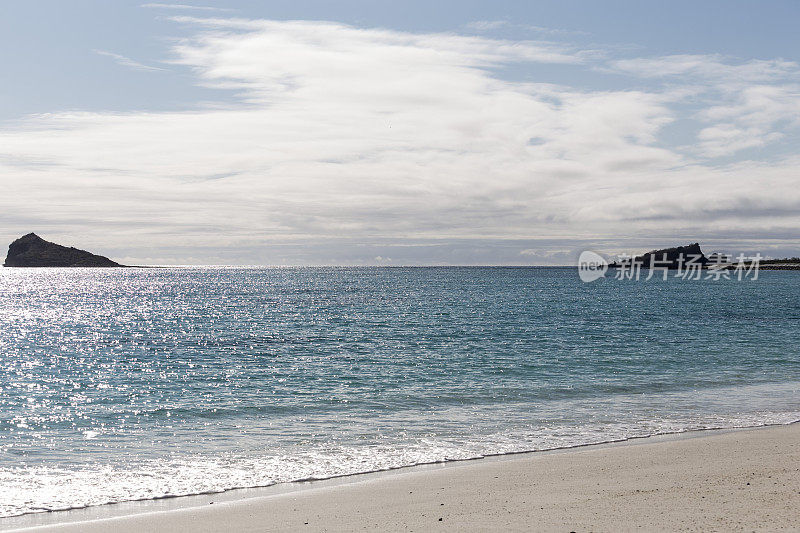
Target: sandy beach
[736, 480]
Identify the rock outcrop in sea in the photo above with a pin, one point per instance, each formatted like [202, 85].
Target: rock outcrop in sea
[674, 256]
[670, 257]
[33, 251]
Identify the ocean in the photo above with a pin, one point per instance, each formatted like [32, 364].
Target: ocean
[130, 384]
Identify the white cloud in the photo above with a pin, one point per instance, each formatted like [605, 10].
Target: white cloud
[752, 116]
[745, 104]
[185, 7]
[493, 25]
[760, 106]
[725, 139]
[126, 61]
[361, 136]
[709, 66]
[487, 25]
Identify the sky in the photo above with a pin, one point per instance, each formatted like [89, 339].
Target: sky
[400, 133]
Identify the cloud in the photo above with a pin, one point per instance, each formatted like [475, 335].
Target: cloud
[725, 139]
[487, 25]
[126, 61]
[298, 36]
[493, 25]
[752, 116]
[709, 66]
[744, 104]
[345, 144]
[185, 7]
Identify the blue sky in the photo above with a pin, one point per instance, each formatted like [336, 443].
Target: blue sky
[49, 65]
[399, 133]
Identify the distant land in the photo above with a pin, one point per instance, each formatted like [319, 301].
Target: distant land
[33, 251]
[675, 258]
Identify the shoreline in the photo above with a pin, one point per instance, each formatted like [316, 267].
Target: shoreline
[162, 513]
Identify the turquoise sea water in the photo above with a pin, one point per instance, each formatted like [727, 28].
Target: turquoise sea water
[140, 383]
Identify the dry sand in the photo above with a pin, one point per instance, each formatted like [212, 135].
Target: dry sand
[740, 480]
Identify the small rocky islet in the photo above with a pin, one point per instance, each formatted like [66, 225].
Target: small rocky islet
[33, 251]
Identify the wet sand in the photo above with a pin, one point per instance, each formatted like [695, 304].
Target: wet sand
[725, 481]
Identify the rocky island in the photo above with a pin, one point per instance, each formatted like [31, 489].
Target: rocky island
[679, 257]
[33, 251]
[672, 258]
